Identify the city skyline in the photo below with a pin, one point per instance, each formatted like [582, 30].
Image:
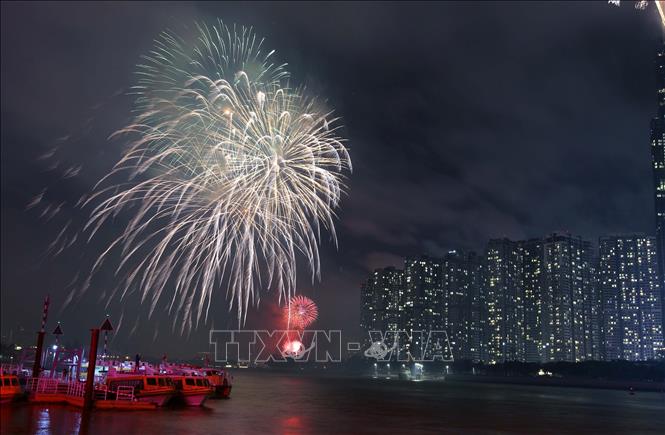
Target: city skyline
[538, 300]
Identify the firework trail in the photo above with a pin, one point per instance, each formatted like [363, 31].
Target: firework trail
[230, 177]
[642, 5]
[300, 312]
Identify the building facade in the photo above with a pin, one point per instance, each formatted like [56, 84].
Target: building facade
[464, 314]
[382, 300]
[658, 162]
[568, 301]
[631, 296]
[532, 288]
[424, 300]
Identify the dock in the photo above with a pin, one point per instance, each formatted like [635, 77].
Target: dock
[55, 391]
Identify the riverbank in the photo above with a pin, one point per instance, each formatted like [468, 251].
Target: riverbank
[544, 381]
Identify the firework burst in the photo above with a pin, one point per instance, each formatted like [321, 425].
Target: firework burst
[300, 312]
[230, 177]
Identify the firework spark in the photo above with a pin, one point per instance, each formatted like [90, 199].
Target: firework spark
[300, 312]
[230, 177]
[642, 5]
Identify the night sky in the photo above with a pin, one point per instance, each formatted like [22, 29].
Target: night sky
[464, 122]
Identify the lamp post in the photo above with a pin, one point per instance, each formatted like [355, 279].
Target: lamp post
[56, 349]
[57, 332]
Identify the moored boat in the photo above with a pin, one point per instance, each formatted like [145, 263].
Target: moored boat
[155, 389]
[193, 390]
[220, 381]
[10, 388]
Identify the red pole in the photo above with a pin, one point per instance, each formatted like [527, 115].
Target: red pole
[92, 362]
[37, 367]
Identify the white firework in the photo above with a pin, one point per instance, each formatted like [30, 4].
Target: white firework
[229, 179]
[642, 5]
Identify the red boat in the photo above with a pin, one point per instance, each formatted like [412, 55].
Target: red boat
[219, 380]
[155, 389]
[10, 389]
[194, 390]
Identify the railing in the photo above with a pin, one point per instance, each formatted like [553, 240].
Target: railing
[125, 392]
[10, 369]
[43, 386]
[76, 389]
[55, 386]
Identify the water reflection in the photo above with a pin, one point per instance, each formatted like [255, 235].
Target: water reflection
[43, 421]
[273, 403]
[292, 425]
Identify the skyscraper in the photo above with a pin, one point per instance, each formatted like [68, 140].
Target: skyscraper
[462, 277]
[568, 300]
[532, 283]
[424, 302]
[505, 301]
[541, 299]
[658, 159]
[631, 297]
[382, 300]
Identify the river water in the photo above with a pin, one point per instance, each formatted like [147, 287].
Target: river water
[292, 404]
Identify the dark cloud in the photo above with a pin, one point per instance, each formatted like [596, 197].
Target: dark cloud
[465, 121]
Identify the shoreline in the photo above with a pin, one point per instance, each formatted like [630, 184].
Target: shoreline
[540, 381]
[645, 386]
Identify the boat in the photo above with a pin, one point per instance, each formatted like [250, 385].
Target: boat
[157, 389]
[10, 388]
[193, 390]
[220, 381]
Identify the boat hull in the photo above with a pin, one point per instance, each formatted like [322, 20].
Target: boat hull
[195, 399]
[9, 397]
[157, 399]
[222, 391]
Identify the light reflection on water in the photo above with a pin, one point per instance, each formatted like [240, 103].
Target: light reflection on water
[292, 404]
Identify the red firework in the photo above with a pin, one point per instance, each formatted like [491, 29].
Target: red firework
[300, 312]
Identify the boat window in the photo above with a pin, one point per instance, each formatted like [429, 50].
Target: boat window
[151, 381]
[169, 381]
[206, 383]
[162, 382]
[189, 381]
[14, 381]
[199, 382]
[6, 382]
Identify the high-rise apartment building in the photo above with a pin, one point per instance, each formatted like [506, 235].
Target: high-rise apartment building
[568, 300]
[632, 306]
[505, 301]
[424, 299]
[658, 162]
[464, 313]
[382, 300]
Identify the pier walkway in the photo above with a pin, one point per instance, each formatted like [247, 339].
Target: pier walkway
[47, 390]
